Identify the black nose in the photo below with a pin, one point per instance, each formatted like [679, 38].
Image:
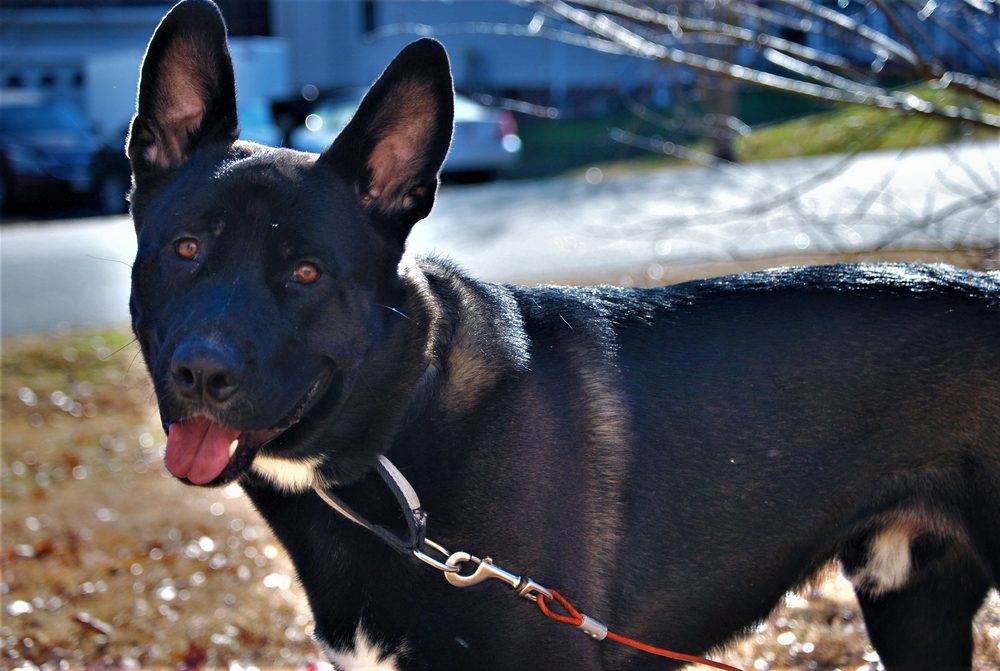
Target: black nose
[205, 371]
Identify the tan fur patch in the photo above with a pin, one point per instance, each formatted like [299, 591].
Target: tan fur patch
[889, 563]
[456, 355]
[468, 379]
[607, 455]
[470, 373]
[421, 301]
[609, 423]
[420, 293]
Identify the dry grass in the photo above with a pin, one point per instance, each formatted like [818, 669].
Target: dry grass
[107, 562]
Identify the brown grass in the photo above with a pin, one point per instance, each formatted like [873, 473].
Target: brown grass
[108, 562]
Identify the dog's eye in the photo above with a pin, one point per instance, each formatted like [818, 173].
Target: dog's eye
[186, 248]
[306, 273]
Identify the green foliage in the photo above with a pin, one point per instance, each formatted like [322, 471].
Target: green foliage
[784, 126]
[859, 128]
[553, 147]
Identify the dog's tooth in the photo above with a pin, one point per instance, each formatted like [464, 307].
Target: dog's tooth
[232, 447]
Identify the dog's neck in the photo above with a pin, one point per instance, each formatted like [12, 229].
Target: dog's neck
[424, 309]
[475, 335]
[440, 355]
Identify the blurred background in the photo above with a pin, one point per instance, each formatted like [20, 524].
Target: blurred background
[618, 141]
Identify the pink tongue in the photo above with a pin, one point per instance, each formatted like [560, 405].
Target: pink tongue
[198, 449]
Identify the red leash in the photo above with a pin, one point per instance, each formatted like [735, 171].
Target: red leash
[576, 619]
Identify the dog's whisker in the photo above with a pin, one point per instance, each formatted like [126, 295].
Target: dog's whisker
[133, 341]
[101, 258]
[398, 312]
[128, 369]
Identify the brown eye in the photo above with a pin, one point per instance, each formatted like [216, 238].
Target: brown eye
[186, 248]
[306, 273]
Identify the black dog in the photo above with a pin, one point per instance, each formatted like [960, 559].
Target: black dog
[675, 459]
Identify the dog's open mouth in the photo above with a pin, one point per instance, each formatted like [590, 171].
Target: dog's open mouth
[203, 451]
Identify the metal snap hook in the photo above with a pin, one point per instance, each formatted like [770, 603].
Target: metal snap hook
[487, 570]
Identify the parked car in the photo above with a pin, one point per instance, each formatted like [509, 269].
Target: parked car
[485, 140]
[113, 174]
[45, 146]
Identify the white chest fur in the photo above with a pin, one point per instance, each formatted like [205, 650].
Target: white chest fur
[290, 475]
[363, 655]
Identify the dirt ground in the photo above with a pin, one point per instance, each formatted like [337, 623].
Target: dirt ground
[109, 563]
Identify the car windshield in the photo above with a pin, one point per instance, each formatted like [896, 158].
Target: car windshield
[337, 113]
[40, 118]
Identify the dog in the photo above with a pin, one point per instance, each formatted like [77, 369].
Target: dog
[675, 459]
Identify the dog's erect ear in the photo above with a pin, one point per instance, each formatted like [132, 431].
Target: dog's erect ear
[187, 92]
[393, 148]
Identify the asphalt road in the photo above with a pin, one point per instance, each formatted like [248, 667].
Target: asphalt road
[61, 275]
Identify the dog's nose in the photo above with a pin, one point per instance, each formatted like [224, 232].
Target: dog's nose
[204, 371]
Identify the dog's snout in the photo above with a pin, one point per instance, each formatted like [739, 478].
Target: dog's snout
[206, 372]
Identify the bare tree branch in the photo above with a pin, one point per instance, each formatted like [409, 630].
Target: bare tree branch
[841, 54]
[854, 28]
[833, 88]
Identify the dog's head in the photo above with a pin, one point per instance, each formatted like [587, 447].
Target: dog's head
[267, 280]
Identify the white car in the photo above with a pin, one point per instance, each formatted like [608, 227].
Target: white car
[485, 141]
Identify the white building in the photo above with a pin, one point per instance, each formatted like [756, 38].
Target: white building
[46, 44]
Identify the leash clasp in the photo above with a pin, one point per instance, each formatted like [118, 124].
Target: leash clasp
[487, 570]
